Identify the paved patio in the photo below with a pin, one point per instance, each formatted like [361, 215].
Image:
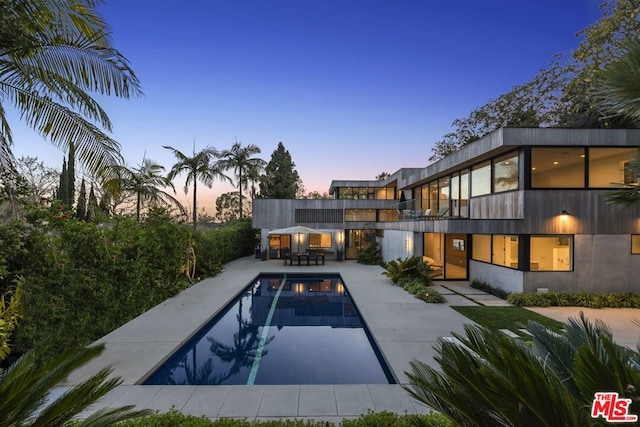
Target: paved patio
[404, 328]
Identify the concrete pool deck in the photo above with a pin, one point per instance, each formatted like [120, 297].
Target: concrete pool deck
[404, 328]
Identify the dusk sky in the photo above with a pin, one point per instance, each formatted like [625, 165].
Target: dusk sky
[352, 88]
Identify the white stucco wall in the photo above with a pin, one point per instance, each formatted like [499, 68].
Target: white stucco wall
[396, 244]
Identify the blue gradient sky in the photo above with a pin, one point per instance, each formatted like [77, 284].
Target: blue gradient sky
[351, 87]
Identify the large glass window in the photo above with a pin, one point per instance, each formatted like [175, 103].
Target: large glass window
[386, 193]
[607, 166]
[557, 167]
[505, 251]
[635, 243]
[505, 172]
[388, 215]
[352, 215]
[551, 253]
[317, 241]
[481, 179]
[481, 244]
[444, 192]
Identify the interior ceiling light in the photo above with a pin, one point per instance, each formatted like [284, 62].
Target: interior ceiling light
[555, 163]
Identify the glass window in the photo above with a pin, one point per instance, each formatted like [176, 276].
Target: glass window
[386, 193]
[551, 253]
[635, 243]
[433, 197]
[320, 240]
[388, 215]
[455, 195]
[464, 193]
[505, 173]
[481, 244]
[557, 167]
[481, 179]
[607, 166]
[359, 215]
[443, 196]
[505, 251]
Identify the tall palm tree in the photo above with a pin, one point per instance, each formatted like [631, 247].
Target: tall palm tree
[145, 182]
[245, 166]
[618, 94]
[200, 166]
[488, 378]
[53, 54]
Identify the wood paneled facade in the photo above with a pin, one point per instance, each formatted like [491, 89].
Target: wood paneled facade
[597, 233]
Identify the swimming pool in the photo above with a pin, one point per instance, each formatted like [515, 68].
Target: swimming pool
[282, 329]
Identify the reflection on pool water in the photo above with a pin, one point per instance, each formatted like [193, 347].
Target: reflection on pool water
[283, 329]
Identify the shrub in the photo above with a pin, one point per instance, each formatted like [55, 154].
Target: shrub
[420, 288]
[579, 299]
[408, 267]
[370, 255]
[82, 280]
[216, 247]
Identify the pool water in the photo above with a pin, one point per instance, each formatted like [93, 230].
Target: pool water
[282, 329]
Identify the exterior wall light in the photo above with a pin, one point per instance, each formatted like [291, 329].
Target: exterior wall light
[565, 213]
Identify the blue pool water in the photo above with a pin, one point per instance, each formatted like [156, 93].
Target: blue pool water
[293, 329]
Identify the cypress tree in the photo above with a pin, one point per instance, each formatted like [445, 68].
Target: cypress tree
[71, 175]
[63, 189]
[81, 206]
[92, 205]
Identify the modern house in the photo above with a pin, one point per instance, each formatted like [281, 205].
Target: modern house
[522, 209]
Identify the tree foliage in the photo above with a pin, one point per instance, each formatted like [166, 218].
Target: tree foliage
[53, 55]
[562, 94]
[281, 180]
[245, 166]
[201, 166]
[228, 205]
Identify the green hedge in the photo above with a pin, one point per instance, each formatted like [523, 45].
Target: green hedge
[578, 299]
[82, 280]
[372, 419]
[216, 247]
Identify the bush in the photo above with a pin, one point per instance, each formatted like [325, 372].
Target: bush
[371, 255]
[578, 299]
[218, 246]
[408, 267]
[82, 280]
[420, 288]
[371, 419]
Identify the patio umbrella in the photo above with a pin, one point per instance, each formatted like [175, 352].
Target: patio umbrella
[296, 229]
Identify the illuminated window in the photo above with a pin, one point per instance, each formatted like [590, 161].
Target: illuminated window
[607, 166]
[551, 253]
[481, 247]
[352, 215]
[557, 167]
[388, 215]
[319, 240]
[505, 251]
[505, 173]
[635, 243]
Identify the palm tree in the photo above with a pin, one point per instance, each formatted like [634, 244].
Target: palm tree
[201, 167]
[145, 182]
[618, 94]
[25, 387]
[245, 167]
[488, 378]
[53, 53]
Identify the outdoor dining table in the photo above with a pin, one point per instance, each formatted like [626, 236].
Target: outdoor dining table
[300, 256]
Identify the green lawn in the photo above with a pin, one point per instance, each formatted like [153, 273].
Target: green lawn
[512, 318]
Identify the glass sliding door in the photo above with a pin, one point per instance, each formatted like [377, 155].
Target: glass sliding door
[455, 265]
